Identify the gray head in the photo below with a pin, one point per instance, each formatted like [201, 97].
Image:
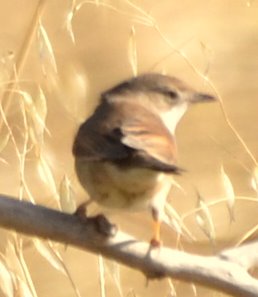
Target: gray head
[170, 89]
[161, 94]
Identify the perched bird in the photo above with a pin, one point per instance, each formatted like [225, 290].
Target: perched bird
[125, 152]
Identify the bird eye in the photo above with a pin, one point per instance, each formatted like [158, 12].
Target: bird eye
[171, 94]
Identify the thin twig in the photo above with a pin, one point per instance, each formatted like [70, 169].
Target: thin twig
[22, 56]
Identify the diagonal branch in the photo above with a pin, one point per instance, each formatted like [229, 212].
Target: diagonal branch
[226, 272]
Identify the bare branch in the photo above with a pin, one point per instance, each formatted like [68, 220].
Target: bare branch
[226, 272]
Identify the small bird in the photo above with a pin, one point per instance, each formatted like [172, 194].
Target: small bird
[125, 152]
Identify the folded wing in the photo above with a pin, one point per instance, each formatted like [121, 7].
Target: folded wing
[129, 135]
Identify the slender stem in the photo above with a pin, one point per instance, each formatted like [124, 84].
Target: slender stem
[22, 56]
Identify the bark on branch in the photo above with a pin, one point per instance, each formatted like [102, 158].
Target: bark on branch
[226, 271]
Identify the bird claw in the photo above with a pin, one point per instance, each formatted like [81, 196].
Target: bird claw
[81, 211]
[104, 226]
[100, 222]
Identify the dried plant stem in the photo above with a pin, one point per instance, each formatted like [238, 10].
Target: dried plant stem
[238, 136]
[22, 56]
[26, 273]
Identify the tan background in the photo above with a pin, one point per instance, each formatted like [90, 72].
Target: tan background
[218, 39]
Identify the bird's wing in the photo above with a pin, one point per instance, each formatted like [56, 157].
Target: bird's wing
[139, 139]
[151, 143]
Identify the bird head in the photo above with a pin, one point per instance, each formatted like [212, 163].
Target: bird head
[162, 94]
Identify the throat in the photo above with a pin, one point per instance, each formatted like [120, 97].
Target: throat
[172, 117]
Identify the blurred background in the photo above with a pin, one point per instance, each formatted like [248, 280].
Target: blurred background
[56, 57]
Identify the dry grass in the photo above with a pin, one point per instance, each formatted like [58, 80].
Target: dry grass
[61, 56]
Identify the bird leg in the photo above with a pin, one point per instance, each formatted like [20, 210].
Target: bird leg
[155, 241]
[81, 210]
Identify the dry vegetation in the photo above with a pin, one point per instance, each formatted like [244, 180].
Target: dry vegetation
[55, 59]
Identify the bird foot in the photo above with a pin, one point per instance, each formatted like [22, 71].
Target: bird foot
[104, 226]
[100, 222]
[81, 211]
[155, 243]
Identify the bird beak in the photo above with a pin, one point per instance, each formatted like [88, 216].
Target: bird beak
[201, 97]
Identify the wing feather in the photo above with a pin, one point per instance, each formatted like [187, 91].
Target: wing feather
[129, 135]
